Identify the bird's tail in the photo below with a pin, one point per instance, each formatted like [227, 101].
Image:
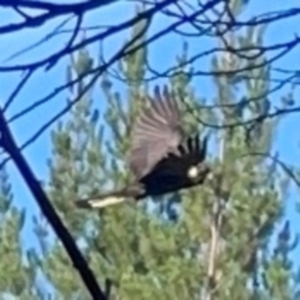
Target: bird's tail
[108, 199]
[102, 200]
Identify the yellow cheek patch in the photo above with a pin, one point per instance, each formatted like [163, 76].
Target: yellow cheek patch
[193, 172]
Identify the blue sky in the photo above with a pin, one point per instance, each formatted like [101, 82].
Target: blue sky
[162, 55]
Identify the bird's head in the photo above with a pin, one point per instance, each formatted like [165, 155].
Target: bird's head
[198, 173]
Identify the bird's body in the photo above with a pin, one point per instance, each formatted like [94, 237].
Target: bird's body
[159, 158]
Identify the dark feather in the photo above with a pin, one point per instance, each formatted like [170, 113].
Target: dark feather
[189, 153]
[171, 173]
[135, 190]
[155, 133]
[159, 159]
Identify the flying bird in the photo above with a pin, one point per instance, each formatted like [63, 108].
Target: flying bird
[161, 160]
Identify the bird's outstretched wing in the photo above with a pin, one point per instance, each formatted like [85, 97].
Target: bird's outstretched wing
[156, 132]
[191, 152]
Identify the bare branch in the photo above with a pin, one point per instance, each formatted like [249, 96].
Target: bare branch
[8, 144]
[52, 11]
[55, 57]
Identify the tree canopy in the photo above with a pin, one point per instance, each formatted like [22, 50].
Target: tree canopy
[227, 239]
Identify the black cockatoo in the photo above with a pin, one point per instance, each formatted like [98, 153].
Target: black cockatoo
[160, 160]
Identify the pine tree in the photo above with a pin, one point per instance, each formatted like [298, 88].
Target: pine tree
[210, 242]
[18, 273]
